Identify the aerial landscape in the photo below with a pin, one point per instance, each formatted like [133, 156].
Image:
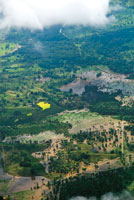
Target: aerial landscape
[67, 100]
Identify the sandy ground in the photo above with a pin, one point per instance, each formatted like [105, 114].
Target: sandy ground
[102, 166]
[50, 152]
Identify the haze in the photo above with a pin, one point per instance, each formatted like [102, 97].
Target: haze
[125, 195]
[37, 14]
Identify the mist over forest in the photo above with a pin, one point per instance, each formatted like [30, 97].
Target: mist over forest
[125, 195]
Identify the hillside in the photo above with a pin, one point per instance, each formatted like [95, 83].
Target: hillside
[67, 105]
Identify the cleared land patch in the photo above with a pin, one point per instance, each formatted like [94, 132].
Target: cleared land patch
[85, 119]
[47, 135]
[105, 80]
[6, 48]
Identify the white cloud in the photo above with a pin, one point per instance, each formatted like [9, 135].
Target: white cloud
[40, 13]
[109, 196]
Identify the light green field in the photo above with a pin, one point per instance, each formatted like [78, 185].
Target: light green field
[47, 135]
[6, 48]
[83, 119]
[25, 195]
[97, 68]
[16, 65]
[4, 184]
[128, 55]
[75, 115]
[15, 70]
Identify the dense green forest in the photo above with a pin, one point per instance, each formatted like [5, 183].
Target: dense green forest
[89, 185]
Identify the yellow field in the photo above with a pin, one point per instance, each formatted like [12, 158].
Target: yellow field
[44, 105]
[29, 114]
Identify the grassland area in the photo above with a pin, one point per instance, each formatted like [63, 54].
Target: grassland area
[38, 138]
[4, 184]
[18, 160]
[84, 120]
[26, 195]
[6, 48]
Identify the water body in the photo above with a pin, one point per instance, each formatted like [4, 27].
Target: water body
[125, 195]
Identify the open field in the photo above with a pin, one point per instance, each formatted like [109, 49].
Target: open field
[85, 120]
[26, 183]
[6, 48]
[25, 195]
[105, 80]
[4, 185]
[39, 138]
